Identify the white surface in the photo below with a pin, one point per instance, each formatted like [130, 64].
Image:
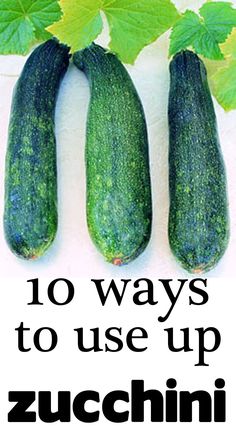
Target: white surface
[73, 256]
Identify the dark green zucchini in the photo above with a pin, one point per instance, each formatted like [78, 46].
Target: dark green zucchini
[119, 209]
[30, 217]
[198, 215]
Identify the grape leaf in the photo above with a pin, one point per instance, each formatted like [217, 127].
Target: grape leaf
[229, 47]
[223, 81]
[224, 85]
[22, 22]
[185, 32]
[204, 32]
[133, 23]
[80, 24]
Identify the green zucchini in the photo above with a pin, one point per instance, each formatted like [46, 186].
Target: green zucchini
[30, 216]
[119, 209]
[198, 215]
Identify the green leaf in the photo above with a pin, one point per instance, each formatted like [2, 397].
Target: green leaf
[80, 24]
[133, 23]
[42, 14]
[229, 47]
[22, 22]
[185, 32]
[224, 85]
[204, 32]
[222, 74]
[212, 66]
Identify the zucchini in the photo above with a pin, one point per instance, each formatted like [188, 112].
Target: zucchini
[30, 215]
[198, 214]
[119, 208]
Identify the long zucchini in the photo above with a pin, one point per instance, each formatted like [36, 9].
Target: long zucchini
[30, 218]
[198, 215]
[119, 209]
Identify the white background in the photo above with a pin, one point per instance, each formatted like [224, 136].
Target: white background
[73, 256]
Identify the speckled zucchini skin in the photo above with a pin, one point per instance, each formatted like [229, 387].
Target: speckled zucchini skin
[198, 215]
[119, 209]
[30, 218]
